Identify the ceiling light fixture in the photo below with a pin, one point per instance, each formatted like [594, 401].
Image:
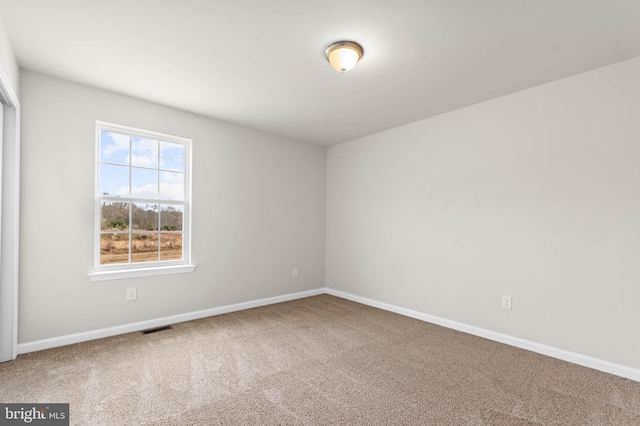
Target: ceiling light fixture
[343, 55]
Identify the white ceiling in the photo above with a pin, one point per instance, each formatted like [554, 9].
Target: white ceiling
[261, 64]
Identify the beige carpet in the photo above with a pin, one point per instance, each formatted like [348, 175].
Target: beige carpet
[320, 360]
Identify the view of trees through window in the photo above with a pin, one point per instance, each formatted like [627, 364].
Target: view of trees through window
[141, 195]
[151, 223]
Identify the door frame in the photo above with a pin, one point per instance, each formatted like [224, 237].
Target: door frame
[9, 219]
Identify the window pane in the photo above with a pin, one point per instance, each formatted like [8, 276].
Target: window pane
[145, 217]
[144, 183]
[171, 218]
[144, 152]
[114, 216]
[114, 248]
[144, 247]
[114, 180]
[142, 196]
[114, 147]
[171, 246]
[172, 186]
[172, 156]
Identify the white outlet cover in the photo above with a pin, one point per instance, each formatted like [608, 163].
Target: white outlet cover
[131, 293]
[506, 302]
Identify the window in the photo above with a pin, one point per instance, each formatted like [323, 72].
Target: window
[142, 203]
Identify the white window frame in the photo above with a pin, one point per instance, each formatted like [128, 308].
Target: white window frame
[160, 267]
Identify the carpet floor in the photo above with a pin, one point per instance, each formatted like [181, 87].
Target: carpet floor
[315, 361]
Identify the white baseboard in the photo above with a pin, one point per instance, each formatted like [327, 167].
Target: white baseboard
[586, 361]
[39, 345]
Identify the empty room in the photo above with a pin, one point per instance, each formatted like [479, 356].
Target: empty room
[317, 213]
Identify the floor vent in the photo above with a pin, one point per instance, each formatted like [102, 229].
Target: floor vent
[155, 330]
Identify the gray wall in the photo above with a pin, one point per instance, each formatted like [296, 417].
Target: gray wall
[534, 195]
[258, 212]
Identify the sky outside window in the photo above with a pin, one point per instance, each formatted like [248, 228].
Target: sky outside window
[144, 152]
[171, 156]
[114, 147]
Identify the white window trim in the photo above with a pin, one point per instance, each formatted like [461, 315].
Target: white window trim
[143, 269]
[140, 272]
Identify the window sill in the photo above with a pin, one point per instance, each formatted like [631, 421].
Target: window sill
[142, 272]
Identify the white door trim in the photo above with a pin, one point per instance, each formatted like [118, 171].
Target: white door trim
[9, 221]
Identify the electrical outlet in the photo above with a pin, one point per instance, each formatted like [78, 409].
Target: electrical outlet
[131, 293]
[506, 302]
[295, 273]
